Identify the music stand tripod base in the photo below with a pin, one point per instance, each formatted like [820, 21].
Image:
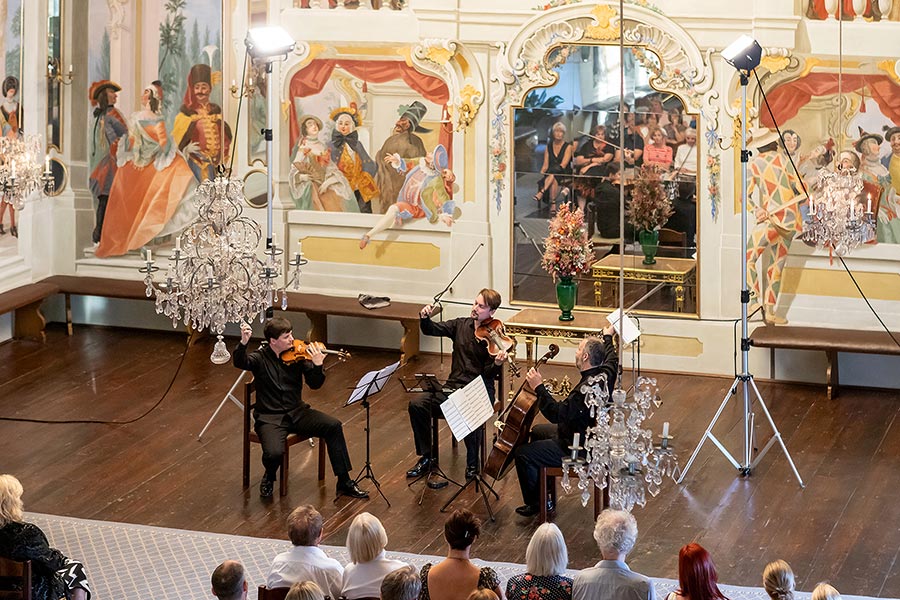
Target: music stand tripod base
[481, 486]
[433, 471]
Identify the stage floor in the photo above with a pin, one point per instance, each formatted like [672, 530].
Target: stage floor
[843, 527]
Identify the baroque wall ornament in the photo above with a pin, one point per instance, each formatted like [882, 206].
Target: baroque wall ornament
[455, 64]
[521, 65]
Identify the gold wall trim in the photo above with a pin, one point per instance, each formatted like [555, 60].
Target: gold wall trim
[829, 282]
[670, 345]
[408, 255]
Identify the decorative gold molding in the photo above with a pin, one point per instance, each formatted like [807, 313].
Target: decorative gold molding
[775, 64]
[671, 345]
[455, 64]
[606, 28]
[406, 255]
[837, 284]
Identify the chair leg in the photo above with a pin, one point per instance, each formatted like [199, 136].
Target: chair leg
[321, 459]
[285, 469]
[542, 495]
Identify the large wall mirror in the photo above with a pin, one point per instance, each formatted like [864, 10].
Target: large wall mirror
[567, 148]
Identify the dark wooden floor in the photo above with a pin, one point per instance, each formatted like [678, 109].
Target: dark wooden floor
[843, 527]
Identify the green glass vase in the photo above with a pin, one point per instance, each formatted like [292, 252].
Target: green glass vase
[566, 293]
[649, 245]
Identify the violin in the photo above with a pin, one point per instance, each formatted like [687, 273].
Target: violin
[492, 333]
[300, 351]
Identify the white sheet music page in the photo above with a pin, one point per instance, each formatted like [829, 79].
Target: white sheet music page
[468, 408]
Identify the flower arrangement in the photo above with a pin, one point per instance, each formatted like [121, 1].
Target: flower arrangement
[567, 249]
[650, 206]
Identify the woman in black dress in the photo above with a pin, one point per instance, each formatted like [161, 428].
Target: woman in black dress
[53, 575]
[557, 161]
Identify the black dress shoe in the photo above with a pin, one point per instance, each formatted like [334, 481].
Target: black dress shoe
[420, 468]
[528, 510]
[266, 487]
[349, 488]
[471, 472]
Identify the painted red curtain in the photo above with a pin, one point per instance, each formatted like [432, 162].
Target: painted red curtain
[312, 79]
[787, 99]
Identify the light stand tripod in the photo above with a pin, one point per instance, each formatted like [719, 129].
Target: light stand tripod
[744, 55]
[229, 396]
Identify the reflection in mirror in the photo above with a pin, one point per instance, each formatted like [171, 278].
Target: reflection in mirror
[54, 78]
[60, 177]
[568, 149]
[255, 188]
[255, 86]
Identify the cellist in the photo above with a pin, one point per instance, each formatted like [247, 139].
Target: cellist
[549, 443]
[470, 359]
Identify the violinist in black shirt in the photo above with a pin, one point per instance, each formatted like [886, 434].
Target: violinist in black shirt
[280, 410]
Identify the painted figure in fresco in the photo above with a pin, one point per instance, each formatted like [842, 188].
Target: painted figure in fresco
[877, 183]
[427, 192]
[351, 157]
[890, 206]
[405, 143]
[770, 239]
[202, 134]
[10, 109]
[315, 181]
[109, 127]
[152, 181]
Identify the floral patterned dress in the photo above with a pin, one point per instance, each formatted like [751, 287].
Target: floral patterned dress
[539, 587]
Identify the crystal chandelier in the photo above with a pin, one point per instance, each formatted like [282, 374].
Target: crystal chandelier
[620, 454]
[20, 170]
[214, 276]
[837, 218]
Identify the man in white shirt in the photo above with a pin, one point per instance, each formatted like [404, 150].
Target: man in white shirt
[686, 155]
[611, 579]
[228, 581]
[306, 561]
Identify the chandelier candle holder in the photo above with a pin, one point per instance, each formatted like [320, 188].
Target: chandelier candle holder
[837, 217]
[618, 453]
[214, 276]
[21, 175]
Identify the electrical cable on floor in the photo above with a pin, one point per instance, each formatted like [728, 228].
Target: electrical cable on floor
[101, 422]
[806, 192]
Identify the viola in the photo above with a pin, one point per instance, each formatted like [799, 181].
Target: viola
[300, 351]
[514, 430]
[492, 333]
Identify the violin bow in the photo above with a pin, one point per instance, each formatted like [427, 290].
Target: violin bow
[437, 297]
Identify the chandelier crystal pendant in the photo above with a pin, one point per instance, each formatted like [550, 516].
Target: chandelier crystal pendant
[214, 276]
[619, 453]
[837, 218]
[21, 175]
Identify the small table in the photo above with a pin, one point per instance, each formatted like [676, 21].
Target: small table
[534, 323]
[679, 271]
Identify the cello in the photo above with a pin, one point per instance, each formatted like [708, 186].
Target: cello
[514, 430]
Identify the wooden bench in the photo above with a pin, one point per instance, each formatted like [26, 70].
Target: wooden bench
[318, 308]
[830, 341]
[25, 300]
[103, 287]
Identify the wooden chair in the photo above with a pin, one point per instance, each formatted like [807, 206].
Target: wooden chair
[251, 437]
[278, 593]
[672, 243]
[547, 486]
[15, 579]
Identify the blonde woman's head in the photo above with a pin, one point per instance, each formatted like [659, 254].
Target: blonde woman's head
[778, 580]
[11, 510]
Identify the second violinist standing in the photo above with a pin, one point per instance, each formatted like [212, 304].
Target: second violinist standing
[470, 359]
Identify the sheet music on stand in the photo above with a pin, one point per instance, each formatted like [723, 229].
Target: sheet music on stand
[371, 383]
[468, 408]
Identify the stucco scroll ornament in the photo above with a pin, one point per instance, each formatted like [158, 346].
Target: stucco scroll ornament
[454, 64]
[117, 18]
[301, 56]
[531, 63]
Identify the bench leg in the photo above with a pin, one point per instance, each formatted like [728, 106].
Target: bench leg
[29, 322]
[318, 327]
[69, 314]
[831, 375]
[409, 343]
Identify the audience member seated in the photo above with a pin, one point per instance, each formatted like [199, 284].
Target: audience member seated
[306, 561]
[778, 580]
[657, 152]
[557, 159]
[53, 575]
[546, 559]
[825, 591]
[402, 584]
[456, 577]
[610, 579]
[305, 590]
[228, 581]
[482, 594]
[606, 206]
[697, 577]
[592, 162]
[368, 566]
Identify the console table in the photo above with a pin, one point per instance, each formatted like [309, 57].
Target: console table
[682, 272]
[534, 323]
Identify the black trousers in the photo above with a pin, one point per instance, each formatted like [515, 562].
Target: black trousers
[310, 423]
[421, 409]
[543, 450]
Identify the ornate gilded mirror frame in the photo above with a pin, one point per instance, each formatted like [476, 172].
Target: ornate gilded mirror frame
[677, 67]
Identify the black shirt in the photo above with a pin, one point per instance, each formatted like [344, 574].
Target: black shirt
[572, 415]
[25, 541]
[470, 356]
[278, 385]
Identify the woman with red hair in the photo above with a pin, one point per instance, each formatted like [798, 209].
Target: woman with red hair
[697, 577]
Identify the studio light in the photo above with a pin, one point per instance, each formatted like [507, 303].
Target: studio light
[743, 54]
[269, 42]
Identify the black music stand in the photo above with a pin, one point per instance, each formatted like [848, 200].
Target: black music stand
[481, 486]
[435, 477]
[369, 384]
